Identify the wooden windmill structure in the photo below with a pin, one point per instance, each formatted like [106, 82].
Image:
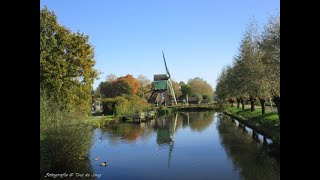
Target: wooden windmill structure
[162, 87]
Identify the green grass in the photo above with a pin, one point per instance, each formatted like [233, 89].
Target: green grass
[98, 121]
[267, 124]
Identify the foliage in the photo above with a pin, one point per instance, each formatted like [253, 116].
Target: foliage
[115, 88]
[200, 86]
[133, 82]
[185, 90]
[64, 143]
[270, 46]
[126, 85]
[207, 97]
[125, 105]
[176, 88]
[108, 105]
[145, 89]
[255, 72]
[199, 97]
[66, 64]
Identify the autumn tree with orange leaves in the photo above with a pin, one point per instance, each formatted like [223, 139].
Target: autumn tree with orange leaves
[132, 82]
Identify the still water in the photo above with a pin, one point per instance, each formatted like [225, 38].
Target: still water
[188, 145]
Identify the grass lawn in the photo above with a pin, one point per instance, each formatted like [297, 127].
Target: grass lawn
[267, 124]
[98, 121]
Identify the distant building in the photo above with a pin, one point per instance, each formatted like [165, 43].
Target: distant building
[96, 104]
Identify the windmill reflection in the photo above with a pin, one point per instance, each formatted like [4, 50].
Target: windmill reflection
[166, 127]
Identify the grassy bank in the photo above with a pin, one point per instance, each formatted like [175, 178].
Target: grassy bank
[192, 107]
[99, 121]
[267, 124]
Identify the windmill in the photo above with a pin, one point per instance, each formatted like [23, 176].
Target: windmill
[162, 87]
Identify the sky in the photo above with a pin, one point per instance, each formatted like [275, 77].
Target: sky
[198, 37]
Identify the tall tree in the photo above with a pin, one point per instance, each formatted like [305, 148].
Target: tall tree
[250, 61]
[66, 64]
[270, 46]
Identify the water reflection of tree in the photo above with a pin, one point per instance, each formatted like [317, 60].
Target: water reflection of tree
[128, 132]
[247, 154]
[198, 121]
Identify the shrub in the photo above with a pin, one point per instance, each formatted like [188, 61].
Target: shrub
[108, 105]
[64, 143]
[207, 97]
[199, 97]
[125, 105]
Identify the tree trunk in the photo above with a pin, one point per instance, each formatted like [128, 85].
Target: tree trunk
[263, 107]
[238, 103]
[276, 100]
[242, 103]
[252, 100]
[231, 102]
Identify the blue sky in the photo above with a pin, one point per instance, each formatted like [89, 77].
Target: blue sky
[198, 37]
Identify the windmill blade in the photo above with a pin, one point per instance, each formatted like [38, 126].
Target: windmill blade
[172, 91]
[164, 59]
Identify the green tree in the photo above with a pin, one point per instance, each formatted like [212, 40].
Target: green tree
[145, 88]
[66, 64]
[249, 63]
[199, 87]
[270, 46]
[115, 88]
[176, 88]
[185, 90]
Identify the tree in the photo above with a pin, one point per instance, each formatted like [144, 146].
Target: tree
[145, 88]
[132, 82]
[115, 88]
[255, 72]
[270, 46]
[186, 90]
[111, 77]
[176, 87]
[66, 64]
[249, 63]
[200, 86]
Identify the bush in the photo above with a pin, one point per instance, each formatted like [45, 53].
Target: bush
[108, 105]
[199, 97]
[125, 105]
[64, 143]
[122, 107]
[207, 97]
[222, 105]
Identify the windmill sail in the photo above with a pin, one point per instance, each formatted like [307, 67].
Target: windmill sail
[164, 59]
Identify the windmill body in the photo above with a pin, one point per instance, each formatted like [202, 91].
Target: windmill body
[162, 88]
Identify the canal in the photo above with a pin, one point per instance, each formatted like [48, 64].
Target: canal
[185, 145]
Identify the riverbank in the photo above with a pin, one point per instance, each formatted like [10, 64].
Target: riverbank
[162, 110]
[100, 120]
[267, 124]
